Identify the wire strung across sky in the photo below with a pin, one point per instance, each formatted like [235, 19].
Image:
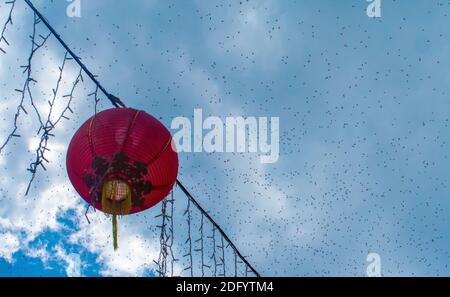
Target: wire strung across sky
[46, 126]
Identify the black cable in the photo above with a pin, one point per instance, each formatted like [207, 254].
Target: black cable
[217, 227]
[114, 100]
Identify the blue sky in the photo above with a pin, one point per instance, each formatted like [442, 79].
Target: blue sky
[363, 106]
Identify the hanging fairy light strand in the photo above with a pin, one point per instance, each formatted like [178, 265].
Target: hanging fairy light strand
[9, 21]
[25, 91]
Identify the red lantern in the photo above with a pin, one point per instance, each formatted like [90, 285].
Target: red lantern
[122, 161]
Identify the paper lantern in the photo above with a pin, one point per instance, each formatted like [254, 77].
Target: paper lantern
[122, 161]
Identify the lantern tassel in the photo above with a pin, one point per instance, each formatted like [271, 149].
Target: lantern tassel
[112, 190]
[114, 223]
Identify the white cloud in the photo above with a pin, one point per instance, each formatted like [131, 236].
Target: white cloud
[73, 261]
[136, 251]
[9, 245]
[24, 218]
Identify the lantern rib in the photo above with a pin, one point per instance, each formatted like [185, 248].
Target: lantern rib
[130, 126]
[160, 152]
